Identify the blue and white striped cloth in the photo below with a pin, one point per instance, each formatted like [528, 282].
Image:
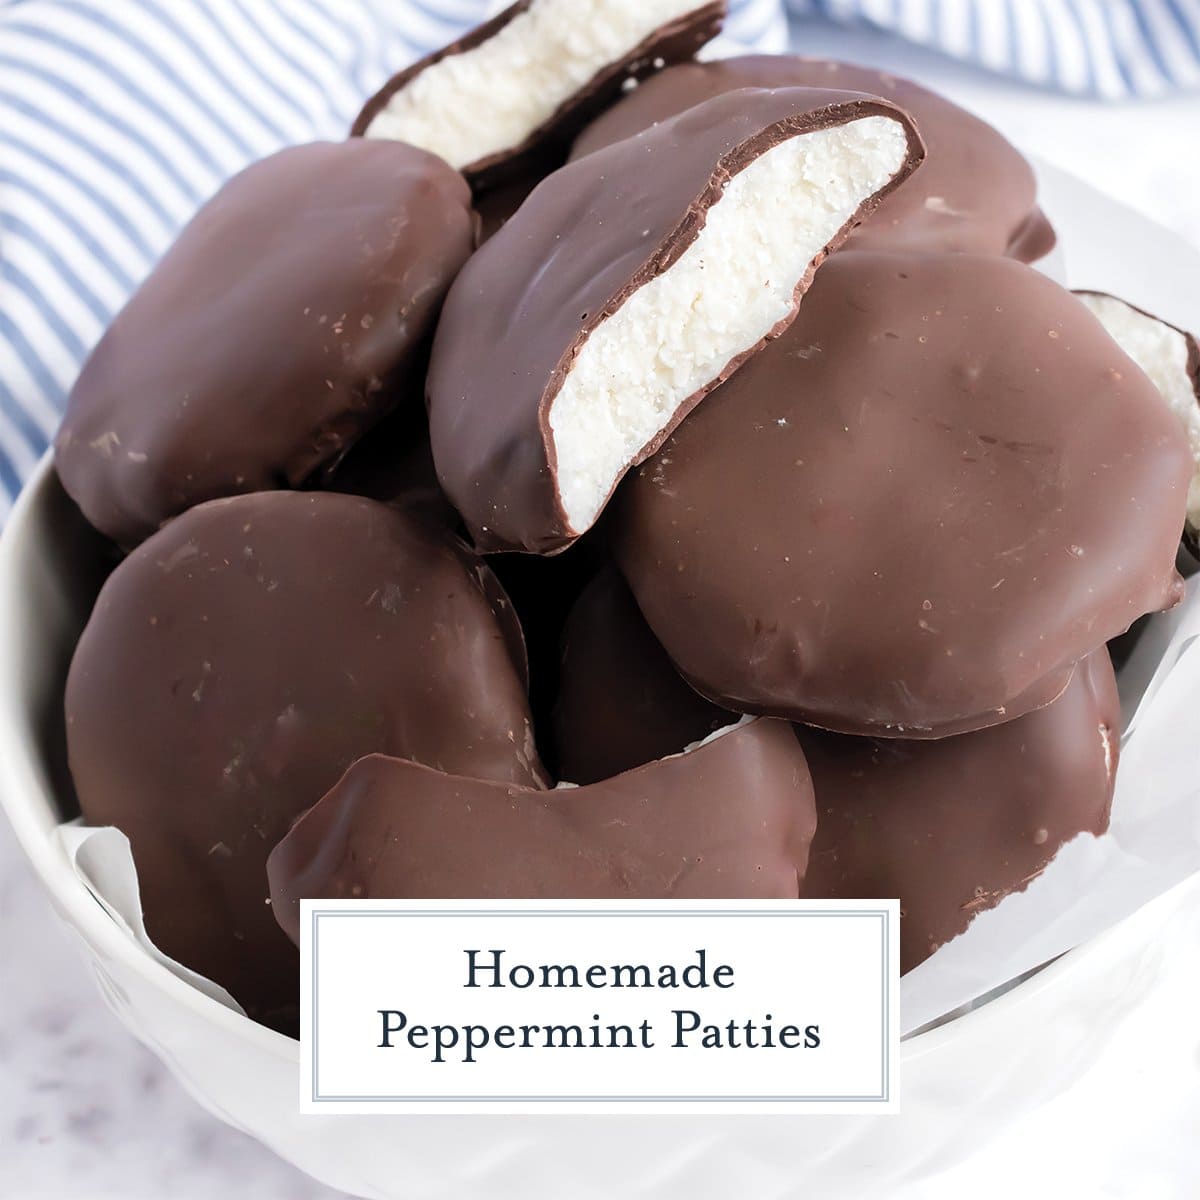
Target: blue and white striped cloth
[1111, 49]
[119, 117]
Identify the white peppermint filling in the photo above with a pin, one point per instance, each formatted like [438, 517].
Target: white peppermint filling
[726, 292]
[1162, 352]
[490, 99]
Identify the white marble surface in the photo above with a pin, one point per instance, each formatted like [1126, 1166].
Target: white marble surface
[87, 1114]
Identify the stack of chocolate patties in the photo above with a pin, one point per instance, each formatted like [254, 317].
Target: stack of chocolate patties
[743, 481]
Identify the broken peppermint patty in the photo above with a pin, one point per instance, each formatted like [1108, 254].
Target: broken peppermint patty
[1171, 358]
[519, 87]
[975, 193]
[629, 285]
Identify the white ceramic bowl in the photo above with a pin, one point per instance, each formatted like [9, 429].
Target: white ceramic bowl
[961, 1083]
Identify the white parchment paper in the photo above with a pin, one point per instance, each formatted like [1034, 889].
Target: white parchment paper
[1154, 839]
[102, 858]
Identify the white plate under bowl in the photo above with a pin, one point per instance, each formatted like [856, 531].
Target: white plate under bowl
[961, 1084]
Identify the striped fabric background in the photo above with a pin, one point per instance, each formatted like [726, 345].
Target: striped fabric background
[119, 117]
[1113, 49]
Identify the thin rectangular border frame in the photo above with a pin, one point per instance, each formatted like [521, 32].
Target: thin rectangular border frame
[884, 914]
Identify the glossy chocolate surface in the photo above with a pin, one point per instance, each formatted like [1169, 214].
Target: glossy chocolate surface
[733, 818]
[569, 257]
[916, 509]
[974, 193]
[238, 662]
[954, 826]
[290, 315]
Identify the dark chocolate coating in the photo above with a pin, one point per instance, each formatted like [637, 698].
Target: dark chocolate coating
[975, 193]
[497, 205]
[731, 819]
[291, 313]
[1033, 240]
[585, 240]
[542, 591]
[1121, 647]
[393, 463]
[672, 43]
[621, 702]
[952, 827]
[910, 514]
[238, 662]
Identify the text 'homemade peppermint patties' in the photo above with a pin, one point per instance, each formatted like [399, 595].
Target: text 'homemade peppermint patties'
[1171, 358]
[628, 285]
[974, 193]
[914, 511]
[730, 818]
[291, 313]
[238, 662]
[519, 86]
[955, 825]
